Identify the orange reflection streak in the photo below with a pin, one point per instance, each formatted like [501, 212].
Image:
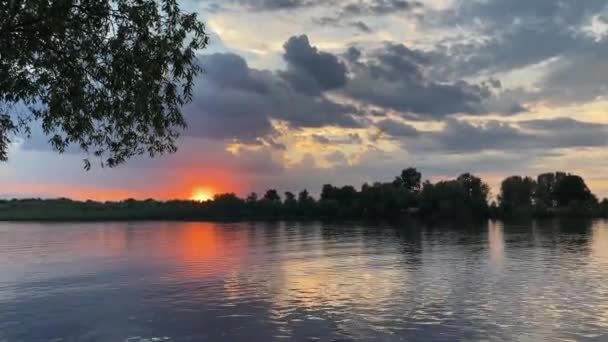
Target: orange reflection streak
[202, 249]
[198, 242]
[194, 250]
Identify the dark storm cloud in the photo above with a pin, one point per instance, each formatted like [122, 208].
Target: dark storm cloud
[463, 137]
[345, 8]
[379, 7]
[346, 11]
[517, 34]
[309, 70]
[234, 101]
[231, 71]
[338, 22]
[270, 5]
[395, 77]
[361, 26]
[498, 13]
[580, 75]
[566, 132]
[396, 128]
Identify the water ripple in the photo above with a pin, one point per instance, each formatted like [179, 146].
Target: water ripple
[303, 281]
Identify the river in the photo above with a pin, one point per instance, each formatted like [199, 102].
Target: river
[181, 281]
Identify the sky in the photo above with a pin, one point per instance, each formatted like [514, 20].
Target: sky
[299, 93]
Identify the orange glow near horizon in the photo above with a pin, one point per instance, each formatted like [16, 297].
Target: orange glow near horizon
[196, 185]
[201, 194]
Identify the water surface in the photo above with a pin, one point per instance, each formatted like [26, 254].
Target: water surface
[308, 281]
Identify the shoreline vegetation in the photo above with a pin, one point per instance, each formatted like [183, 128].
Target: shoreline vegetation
[555, 194]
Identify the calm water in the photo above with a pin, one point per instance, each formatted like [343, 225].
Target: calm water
[268, 282]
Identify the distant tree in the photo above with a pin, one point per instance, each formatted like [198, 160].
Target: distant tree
[465, 196]
[252, 198]
[603, 208]
[545, 188]
[290, 204]
[572, 189]
[227, 205]
[290, 198]
[306, 204]
[410, 179]
[328, 192]
[347, 194]
[304, 196]
[517, 191]
[108, 76]
[560, 189]
[474, 188]
[272, 196]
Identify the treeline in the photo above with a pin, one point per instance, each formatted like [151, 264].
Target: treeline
[550, 194]
[467, 196]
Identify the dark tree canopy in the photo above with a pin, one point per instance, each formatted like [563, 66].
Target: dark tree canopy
[517, 191]
[108, 76]
[465, 197]
[572, 189]
[410, 179]
[545, 188]
[272, 196]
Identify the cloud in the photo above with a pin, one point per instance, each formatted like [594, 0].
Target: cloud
[339, 22]
[369, 10]
[361, 26]
[396, 77]
[379, 7]
[460, 136]
[309, 70]
[349, 139]
[272, 5]
[396, 128]
[537, 31]
[337, 158]
[346, 8]
[234, 101]
[491, 13]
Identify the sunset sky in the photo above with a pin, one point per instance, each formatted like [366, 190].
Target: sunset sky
[298, 93]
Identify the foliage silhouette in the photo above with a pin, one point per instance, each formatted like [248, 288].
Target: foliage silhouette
[552, 194]
[108, 76]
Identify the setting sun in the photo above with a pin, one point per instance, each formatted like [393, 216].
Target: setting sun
[201, 194]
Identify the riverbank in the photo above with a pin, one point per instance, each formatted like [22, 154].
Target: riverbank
[66, 210]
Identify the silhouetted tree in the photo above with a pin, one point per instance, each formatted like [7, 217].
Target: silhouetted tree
[603, 208]
[545, 188]
[328, 192]
[306, 203]
[517, 191]
[290, 197]
[272, 195]
[227, 205]
[108, 76]
[560, 189]
[304, 196]
[290, 204]
[571, 189]
[463, 197]
[252, 198]
[410, 179]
